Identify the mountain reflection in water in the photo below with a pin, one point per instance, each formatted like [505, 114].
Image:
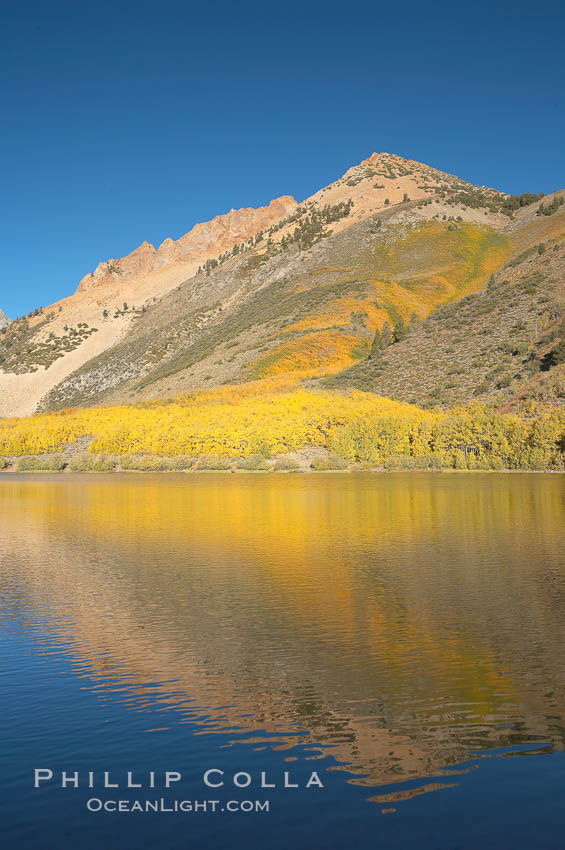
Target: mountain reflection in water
[400, 622]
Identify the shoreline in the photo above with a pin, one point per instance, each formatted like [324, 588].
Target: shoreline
[75, 459]
[10, 472]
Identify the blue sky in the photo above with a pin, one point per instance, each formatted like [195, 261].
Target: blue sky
[123, 121]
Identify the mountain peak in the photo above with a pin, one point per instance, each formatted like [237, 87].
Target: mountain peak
[292, 288]
[4, 320]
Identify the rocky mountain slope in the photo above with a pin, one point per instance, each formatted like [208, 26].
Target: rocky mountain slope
[216, 236]
[4, 320]
[50, 343]
[504, 344]
[289, 289]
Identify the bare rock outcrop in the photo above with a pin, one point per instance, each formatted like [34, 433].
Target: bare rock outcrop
[204, 240]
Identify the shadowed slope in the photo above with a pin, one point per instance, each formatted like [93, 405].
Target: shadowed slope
[501, 344]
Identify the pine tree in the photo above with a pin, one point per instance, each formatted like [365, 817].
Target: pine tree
[386, 335]
[377, 345]
[557, 354]
[400, 330]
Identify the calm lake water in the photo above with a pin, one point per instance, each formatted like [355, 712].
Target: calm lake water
[401, 635]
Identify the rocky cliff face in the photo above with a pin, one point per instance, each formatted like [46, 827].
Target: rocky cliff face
[4, 320]
[203, 241]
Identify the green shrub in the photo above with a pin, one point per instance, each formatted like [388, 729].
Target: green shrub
[481, 388]
[145, 463]
[91, 463]
[286, 464]
[128, 462]
[181, 462]
[149, 463]
[332, 462]
[418, 462]
[494, 463]
[264, 450]
[44, 463]
[254, 463]
[212, 462]
[549, 209]
[3, 463]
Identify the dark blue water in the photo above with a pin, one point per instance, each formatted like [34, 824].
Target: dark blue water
[401, 636]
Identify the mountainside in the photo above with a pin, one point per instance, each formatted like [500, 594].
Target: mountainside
[504, 344]
[299, 290]
[50, 343]
[4, 320]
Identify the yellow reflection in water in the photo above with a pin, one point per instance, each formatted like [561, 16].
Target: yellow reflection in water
[405, 619]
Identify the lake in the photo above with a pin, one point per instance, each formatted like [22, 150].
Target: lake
[400, 637]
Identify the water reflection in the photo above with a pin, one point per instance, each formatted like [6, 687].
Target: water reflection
[403, 621]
